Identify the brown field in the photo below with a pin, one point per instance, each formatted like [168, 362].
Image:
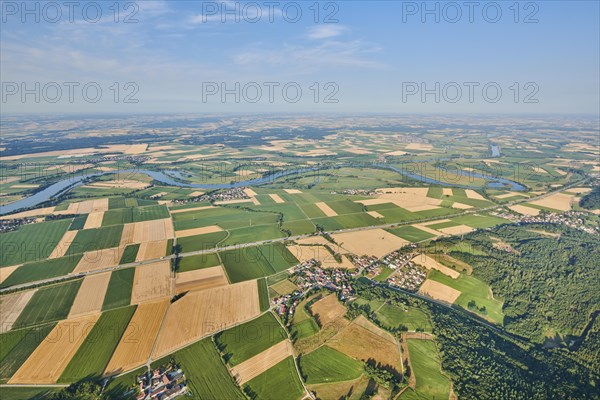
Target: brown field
[11, 306]
[261, 362]
[427, 229]
[198, 231]
[340, 390]
[328, 309]
[88, 206]
[249, 192]
[284, 287]
[191, 209]
[411, 199]
[457, 230]
[94, 220]
[196, 193]
[471, 194]
[292, 191]
[90, 296]
[363, 343]
[99, 259]
[316, 240]
[236, 201]
[51, 357]
[376, 242]
[419, 146]
[461, 206]
[375, 214]
[148, 231]
[151, 282]
[447, 192]
[319, 253]
[202, 313]
[328, 211]
[199, 279]
[579, 190]
[6, 271]
[29, 213]
[507, 195]
[125, 183]
[525, 210]
[439, 291]
[430, 263]
[277, 199]
[152, 250]
[127, 235]
[63, 245]
[136, 344]
[557, 201]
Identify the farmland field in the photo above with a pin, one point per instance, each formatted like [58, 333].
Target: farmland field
[95, 352]
[325, 365]
[207, 375]
[118, 293]
[130, 253]
[201, 242]
[37, 271]
[31, 242]
[48, 304]
[425, 362]
[278, 382]
[411, 233]
[15, 357]
[199, 261]
[96, 239]
[247, 340]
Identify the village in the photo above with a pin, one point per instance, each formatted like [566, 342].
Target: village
[164, 383]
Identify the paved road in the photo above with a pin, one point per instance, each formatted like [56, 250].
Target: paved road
[297, 237]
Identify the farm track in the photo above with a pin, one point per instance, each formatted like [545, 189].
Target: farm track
[291, 238]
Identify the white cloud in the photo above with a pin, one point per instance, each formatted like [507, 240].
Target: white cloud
[325, 31]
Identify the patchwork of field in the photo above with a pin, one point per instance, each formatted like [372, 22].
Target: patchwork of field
[375, 242]
[278, 382]
[198, 279]
[51, 357]
[411, 199]
[557, 201]
[99, 259]
[135, 346]
[201, 313]
[11, 307]
[151, 250]
[261, 362]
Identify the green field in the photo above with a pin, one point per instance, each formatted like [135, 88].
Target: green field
[201, 242]
[411, 233]
[50, 303]
[244, 341]
[198, 262]
[425, 362]
[325, 365]
[96, 239]
[148, 213]
[279, 382]
[251, 234]
[473, 290]
[118, 293]
[95, 352]
[27, 393]
[117, 217]
[78, 222]
[14, 358]
[10, 339]
[257, 261]
[396, 317]
[303, 324]
[479, 221]
[263, 294]
[207, 376]
[41, 270]
[129, 254]
[33, 242]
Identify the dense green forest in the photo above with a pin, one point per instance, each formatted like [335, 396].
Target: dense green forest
[591, 201]
[550, 285]
[485, 363]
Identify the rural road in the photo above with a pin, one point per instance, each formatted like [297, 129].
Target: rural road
[290, 238]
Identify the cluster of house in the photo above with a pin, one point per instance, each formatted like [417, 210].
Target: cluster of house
[165, 383]
[8, 225]
[356, 192]
[309, 275]
[407, 275]
[572, 219]
[221, 195]
[369, 264]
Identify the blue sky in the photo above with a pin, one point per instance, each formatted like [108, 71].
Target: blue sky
[372, 56]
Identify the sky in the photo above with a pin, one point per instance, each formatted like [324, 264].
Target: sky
[304, 56]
